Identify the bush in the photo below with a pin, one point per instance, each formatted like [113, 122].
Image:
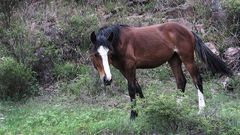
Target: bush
[233, 8]
[202, 10]
[234, 85]
[80, 27]
[233, 19]
[78, 86]
[162, 114]
[16, 80]
[67, 71]
[165, 115]
[82, 84]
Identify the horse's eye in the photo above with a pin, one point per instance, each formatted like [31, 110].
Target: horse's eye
[96, 54]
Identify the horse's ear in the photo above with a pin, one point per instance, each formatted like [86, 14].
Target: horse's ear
[110, 37]
[93, 37]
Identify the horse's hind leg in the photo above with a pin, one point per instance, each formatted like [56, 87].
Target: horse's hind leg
[176, 66]
[197, 79]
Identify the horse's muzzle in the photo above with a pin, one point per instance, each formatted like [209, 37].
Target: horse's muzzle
[106, 81]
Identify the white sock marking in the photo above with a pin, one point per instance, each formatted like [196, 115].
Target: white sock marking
[103, 53]
[201, 102]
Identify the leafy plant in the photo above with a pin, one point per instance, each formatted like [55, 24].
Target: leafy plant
[81, 26]
[68, 71]
[17, 81]
[233, 12]
[7, 9]
[82, 82]
[165, 115]
[234, 85]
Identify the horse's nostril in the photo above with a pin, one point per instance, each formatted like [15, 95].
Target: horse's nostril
[104, 79]
[106, 82]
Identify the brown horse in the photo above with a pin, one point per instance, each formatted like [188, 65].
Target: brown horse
[128, 48]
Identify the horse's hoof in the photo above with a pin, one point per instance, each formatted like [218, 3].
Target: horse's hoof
[133, 115]
[141, 96]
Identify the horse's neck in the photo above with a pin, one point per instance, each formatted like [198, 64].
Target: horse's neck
[116, 59]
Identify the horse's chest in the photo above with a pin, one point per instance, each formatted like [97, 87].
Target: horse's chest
[117, 64]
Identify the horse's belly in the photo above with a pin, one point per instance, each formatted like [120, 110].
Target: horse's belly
[151, 62]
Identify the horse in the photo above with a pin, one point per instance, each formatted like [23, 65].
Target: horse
[129, 48]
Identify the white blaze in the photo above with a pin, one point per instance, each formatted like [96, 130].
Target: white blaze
[103, 53]
[201, 102]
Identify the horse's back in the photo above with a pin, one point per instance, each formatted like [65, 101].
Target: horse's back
[171, 35]
[154, 45]
[169, 26]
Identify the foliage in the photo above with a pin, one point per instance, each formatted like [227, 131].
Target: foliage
[234, 85]
[58, 31]
[203, 10]
[171, 3]
[82, 83]
[157, 115]
[233, 20]
[161, 111]
[7, 8]
[62, 119]
[162, 73]
[68, 71]
[165, 115]
[233, 7]
[81, 26]
[13, 39]
[16, 80]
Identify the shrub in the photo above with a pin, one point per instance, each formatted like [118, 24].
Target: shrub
[233, 12]
[18, 44]
[202, 10]
[234, 85]
[162, 114]
[80, 27]
[233, 6]
[171, 3]
[16, 80]
[7, 9]
[165, 115]
[68, 71]
[82, 84]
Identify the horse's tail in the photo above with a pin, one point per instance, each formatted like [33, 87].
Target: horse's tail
[215, 64]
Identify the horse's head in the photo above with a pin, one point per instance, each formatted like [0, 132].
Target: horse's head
[101, 52]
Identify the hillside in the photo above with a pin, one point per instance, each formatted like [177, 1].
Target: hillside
[48, 84]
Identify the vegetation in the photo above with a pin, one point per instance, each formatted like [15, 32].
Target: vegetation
[16, 80]
[159, 113]
[44, 59]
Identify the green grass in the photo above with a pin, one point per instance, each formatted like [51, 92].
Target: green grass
[66, 115]
[61, 118]
[83, 106]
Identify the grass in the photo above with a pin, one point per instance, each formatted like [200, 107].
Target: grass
[61, 118]
[63, 114]
[82, 106]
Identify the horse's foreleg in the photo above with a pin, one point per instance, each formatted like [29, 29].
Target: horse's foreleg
[130, 74]
[132, 94]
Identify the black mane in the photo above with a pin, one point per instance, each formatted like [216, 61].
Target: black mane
[105, 31]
